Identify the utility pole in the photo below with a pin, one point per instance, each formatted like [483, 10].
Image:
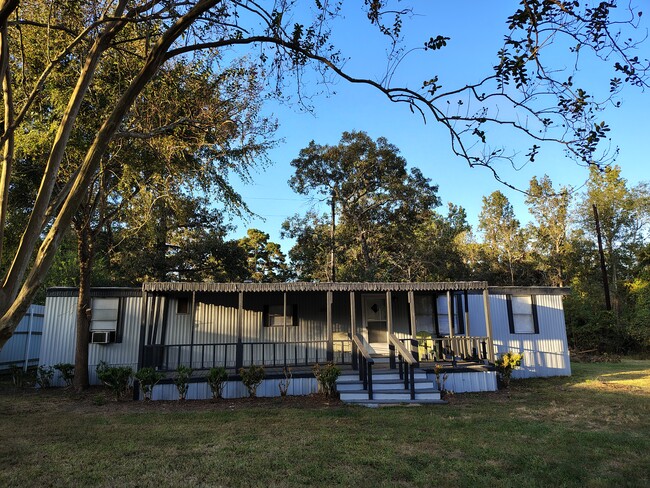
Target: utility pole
[332, 241]
[608, 303]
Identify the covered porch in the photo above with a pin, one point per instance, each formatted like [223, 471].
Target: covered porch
[233, 325]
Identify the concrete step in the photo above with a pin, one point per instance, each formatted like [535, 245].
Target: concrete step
[379, 375]
[382, 384]
[390, 403]
[395, 396]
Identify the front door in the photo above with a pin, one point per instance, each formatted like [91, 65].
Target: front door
[374, 314]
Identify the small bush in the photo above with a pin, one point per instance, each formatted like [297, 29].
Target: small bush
[66, 370]
[285, 382]
[252, 378]
[17, 377]
[441, 379]
[44, 376]
[148, 378]
[181, 380]
[506, 364]
[216, 379]
[327, 376]
[116, 378]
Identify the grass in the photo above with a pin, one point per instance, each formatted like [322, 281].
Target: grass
[592, 429]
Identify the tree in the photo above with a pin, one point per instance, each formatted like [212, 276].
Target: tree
[265, 262]
[550, 209]
[291, 39]
[502, 235]
[377, 201]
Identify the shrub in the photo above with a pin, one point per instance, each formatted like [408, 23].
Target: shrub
[216, 379]
[285, 382]
[326, 377]
[66, 370]
[506, 364]
[148, 378]
[441, 378]
[181, 380]
[116, 378]
[44, 376]
[17, 377]
[252, 377]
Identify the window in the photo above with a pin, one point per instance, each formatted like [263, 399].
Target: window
[105, 314]
[182, 305]
[273, 316]
[106, 317]
[522, 314]
[457, 314]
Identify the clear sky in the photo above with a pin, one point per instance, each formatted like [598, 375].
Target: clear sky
[476, 30]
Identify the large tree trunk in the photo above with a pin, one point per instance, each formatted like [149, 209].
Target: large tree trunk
[85, 251]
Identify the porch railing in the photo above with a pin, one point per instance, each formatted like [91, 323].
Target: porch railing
[362, 361]
[231, 355]
[406, 361]
[451, 348]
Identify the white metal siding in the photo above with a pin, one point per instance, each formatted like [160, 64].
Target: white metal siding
[28, 334]
[468, 382]
[236, 389]
[59, 329]
[546, 353]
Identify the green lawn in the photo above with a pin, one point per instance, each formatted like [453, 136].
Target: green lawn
[592, 429]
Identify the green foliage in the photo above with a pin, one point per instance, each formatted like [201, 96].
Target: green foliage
[44, 376]
[116, 378]
[265, 261]
[148, 378]
[181, 380]
[326, 377]
[216, 379]
[252, 377]
[66, 370]
[506, 364]
[441, 378]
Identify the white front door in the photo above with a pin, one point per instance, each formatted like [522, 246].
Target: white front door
[374, 318]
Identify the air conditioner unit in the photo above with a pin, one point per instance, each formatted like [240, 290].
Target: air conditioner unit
[102, 337]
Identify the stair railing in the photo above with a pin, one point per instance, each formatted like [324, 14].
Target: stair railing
[363, 362]
[407, 362]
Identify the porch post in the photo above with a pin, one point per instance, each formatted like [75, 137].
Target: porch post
[413, 347]
[353, 328]
[239, 348]
[450, 313]
[144, 304]
[488, 324]
[284, 328]
[192, 316]
[330, 330]
[469, 351]
[389, 312]
[450, 319]
[28, 340]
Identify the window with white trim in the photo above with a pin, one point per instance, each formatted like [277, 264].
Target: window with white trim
[273, 316]
[522, 315]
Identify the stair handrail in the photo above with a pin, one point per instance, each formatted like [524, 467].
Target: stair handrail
[365, 363]
[407, 362]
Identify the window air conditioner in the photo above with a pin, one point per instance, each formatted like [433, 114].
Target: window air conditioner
[102, 337]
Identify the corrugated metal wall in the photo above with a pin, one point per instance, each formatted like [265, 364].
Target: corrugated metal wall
[546, 353]
[236, 389]
[24, 346]
[58, 342]
[215, 321]
[467, 382]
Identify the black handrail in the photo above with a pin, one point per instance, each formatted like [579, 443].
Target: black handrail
[364, 363]
[407, 362]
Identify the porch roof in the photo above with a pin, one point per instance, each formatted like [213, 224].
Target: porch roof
[308, 286]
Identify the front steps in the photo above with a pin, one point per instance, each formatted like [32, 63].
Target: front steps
[387, 387]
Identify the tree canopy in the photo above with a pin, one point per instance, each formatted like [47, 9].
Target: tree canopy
[76, 49]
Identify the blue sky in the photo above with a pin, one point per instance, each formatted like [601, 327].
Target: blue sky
[476, 30]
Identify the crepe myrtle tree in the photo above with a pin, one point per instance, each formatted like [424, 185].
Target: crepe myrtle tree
[529, 78]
